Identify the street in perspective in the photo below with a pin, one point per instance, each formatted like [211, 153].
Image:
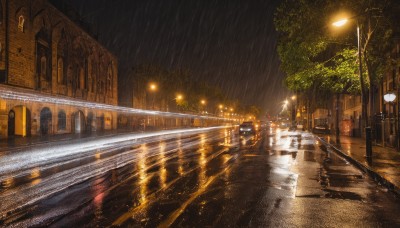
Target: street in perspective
[151, 113]
[207, 177]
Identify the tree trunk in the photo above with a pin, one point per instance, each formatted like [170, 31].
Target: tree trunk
[337, 130]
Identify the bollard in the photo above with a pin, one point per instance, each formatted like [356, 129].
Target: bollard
[368, 139]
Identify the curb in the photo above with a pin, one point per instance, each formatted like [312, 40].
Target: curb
[376, 176]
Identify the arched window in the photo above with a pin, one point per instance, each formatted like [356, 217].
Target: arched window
[81, 78]
[86, 76]
[62, 59]
[94, 77]
[109, 79]
[62, 120]
[60, 71]
[21, 23]
[43, 66]
[43, 53]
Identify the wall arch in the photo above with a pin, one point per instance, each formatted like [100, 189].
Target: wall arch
[46, 121]
[19, 121]
[78, 122]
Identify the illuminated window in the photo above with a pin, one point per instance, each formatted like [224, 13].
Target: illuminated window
[21, 22]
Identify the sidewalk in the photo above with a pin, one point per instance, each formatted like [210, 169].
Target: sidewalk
[384, 166]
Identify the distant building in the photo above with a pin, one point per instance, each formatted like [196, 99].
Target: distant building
[42, 50]
[351, 118]
[388, 128]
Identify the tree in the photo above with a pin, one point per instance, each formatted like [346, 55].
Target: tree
[317, 59]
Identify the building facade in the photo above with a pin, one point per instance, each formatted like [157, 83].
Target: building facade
[43, 51]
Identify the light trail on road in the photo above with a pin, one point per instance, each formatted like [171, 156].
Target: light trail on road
[103, 154]
[20, 94]
[12, 162]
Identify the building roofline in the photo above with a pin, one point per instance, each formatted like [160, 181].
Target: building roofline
[80, 28]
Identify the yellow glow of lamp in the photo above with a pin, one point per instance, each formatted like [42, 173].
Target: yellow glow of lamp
[153, 87]
[340, 22]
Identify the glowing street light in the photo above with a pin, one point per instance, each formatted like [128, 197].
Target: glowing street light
[153, 88]
[293, 111]
[179, 97]
[340, 23]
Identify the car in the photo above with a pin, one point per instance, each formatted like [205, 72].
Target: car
[321, 129]
[300, 127]
[247, 127]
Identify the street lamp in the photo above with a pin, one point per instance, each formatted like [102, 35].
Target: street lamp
[341, 23]
[221, 110]
[389, 98]
[153, 89]
[368, 135]
[294, 111]
[178, 99]
[203, 104]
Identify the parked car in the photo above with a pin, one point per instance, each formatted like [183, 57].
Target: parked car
[247, 127]
[321, 129]
[300, 127]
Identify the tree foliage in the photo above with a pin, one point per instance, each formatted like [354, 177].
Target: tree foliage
[315, 57]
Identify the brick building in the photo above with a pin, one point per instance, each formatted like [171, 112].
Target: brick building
[43, 51]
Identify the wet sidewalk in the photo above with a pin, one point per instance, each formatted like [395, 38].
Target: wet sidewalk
[384, 166]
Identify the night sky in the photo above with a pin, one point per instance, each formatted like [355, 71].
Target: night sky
[230, 43]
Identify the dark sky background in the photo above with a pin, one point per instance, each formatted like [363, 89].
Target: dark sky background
[230, 43]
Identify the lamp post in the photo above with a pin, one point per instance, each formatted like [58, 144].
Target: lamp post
[203, 104]
[365, 122]
[178, 98]
[293, 111]
[221, 112]
[389, 98]
[153, 89]
[341, 23]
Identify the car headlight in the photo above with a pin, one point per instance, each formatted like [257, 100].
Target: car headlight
[240, 129]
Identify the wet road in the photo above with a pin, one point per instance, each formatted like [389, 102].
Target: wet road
[209, 177]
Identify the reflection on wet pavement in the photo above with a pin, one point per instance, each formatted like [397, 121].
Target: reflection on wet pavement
[215, 178]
